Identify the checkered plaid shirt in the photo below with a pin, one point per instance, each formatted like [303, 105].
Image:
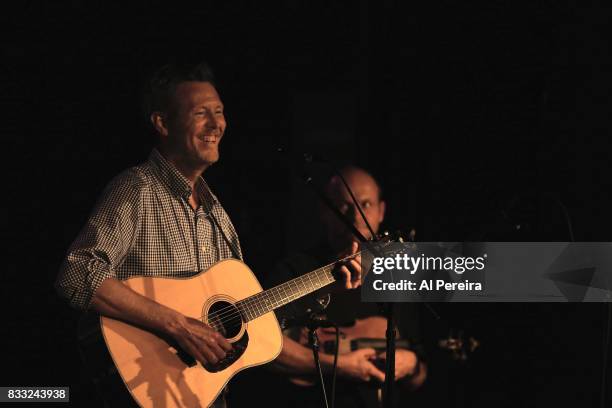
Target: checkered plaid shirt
[143, 225]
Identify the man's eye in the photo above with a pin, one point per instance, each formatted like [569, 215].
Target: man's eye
[366, 204]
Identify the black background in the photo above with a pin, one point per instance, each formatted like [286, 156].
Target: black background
[475, 118]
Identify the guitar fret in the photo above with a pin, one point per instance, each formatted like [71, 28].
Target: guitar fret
[266, 301]
[279, 298]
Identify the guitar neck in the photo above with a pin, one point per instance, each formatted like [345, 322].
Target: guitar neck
[268, 300]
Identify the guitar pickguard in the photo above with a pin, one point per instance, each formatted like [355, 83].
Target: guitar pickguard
[238, 349]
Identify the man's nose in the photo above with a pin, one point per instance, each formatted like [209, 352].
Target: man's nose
[212, 121]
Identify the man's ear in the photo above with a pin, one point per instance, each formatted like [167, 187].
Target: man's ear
[160, 123]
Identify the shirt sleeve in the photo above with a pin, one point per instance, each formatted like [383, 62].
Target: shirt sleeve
[104, 241]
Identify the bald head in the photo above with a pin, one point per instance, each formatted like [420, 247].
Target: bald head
[368, 195]
[356, 178]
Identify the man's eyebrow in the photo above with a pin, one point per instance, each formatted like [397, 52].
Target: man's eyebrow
[206, 105]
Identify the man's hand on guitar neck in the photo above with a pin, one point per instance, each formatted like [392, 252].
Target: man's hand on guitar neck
[114, 299]
[349, 270]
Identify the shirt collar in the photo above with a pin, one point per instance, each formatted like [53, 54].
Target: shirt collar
[169, 175]
[177, 183]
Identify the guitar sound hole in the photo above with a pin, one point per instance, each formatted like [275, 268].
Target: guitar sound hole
[225, 318]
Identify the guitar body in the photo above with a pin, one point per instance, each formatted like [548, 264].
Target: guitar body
[156, 373]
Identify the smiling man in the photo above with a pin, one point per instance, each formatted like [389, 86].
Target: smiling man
[161, 219]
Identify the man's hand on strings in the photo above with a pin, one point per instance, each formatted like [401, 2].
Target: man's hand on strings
[201, 341]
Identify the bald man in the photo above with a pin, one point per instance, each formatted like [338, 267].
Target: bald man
[363, 367]
[368, 195]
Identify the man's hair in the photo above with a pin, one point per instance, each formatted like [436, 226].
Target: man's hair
[160, 87]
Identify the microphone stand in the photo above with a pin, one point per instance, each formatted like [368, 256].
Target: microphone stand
[388, 307]
[313, 340]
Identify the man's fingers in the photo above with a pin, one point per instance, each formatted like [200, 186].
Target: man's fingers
[356, 267]
[205, 344]
[346, 277]
[195, 353]
[216, 349]
[350, 269]
[209, 355]
[373, 371]
[368, 353]
[351, 273]
[222, 341]
[376, 373]
[213, 337]
[202, 354]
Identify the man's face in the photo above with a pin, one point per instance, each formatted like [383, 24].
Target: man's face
[367, 193]
[195, 124]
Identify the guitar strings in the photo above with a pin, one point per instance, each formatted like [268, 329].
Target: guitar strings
[248, 304]
[250, 301]
[228, 316]
[221, 318]
[233, 311]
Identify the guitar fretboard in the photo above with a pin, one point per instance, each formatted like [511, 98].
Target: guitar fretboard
[268, 300]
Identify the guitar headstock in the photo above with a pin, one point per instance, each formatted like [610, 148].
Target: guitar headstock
[387, 242]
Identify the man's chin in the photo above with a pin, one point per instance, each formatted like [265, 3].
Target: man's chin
[209, 158]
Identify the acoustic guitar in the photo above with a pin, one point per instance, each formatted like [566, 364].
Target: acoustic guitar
[227, 297]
